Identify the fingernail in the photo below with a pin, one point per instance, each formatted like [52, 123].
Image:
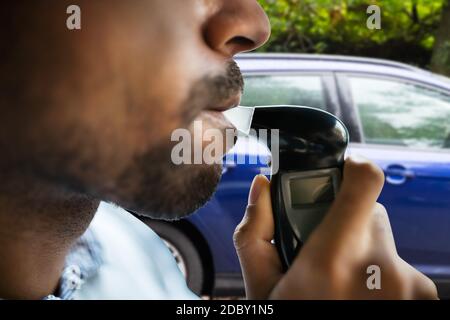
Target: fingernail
[357, 158]
[255, 190]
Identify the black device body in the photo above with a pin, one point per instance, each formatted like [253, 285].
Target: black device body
[312, 144]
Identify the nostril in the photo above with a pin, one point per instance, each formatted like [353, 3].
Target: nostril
[241, 43]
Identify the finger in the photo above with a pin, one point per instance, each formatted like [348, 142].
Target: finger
[257, 223]
[259, 260]
[425, 288]
[351, 212]
[381, 232]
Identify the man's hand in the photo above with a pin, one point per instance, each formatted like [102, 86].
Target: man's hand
[333, 263]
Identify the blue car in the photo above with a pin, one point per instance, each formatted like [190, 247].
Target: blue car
[397, 116]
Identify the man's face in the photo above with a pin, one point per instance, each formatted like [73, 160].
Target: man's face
[94, 109]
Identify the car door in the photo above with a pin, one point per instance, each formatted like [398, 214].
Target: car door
[406, 130]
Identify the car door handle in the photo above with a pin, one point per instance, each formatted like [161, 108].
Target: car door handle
[397, 174]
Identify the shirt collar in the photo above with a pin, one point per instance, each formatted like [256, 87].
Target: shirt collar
[82, 262]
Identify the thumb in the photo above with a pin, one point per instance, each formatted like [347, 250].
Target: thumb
[261, 267]
[352, 211]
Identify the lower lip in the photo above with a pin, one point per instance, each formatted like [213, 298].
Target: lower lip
[216, 120]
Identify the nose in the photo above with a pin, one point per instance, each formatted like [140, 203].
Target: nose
[237, 26]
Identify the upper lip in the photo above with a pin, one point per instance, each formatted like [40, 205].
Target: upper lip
[226, 104]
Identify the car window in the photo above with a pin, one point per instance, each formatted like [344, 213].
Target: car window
[289, 90]
[399, 113]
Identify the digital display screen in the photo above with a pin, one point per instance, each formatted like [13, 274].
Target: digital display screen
[306, 191]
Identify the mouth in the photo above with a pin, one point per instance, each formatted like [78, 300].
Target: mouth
[215, 113]
[213, 118]
[227, 104]
[216, 120]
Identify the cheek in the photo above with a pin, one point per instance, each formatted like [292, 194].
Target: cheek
[156, 93]
[154, 68]
[138, 86]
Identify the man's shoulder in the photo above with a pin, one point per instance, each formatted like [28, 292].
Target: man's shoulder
[136, 264]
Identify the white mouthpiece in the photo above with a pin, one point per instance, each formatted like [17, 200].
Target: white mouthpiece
[241, 117]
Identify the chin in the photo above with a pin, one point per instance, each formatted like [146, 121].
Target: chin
[173, 193]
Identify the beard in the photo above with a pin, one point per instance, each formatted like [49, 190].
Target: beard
[158, 188]
[170, 192]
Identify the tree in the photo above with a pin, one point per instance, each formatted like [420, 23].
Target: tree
[440, 61]
[407, 31]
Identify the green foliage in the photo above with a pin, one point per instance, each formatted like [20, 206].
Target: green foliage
[440, 61]
[339, 27]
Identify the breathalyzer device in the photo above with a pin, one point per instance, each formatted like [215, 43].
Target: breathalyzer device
[311, 147]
